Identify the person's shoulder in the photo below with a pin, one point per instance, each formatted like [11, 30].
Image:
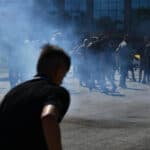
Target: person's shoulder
[58, 91]
[62, 90]
[148, 46]
[147, 50]
[29, 85]
[124, 43]
[120, 44]
[17, 87]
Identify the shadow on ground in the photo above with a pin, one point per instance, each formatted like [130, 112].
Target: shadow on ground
[106, 123]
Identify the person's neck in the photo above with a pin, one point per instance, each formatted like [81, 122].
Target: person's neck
[45, 77]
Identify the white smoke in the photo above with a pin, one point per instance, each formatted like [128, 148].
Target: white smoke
[25, 27]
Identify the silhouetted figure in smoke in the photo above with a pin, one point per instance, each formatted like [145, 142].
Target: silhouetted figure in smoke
[30, 113]
[9, 54]
[13, 73]
[79, 61]
[13, 65]
[131, 67]
[141, 52]
[110, 63]
[92, 55]
[146, 76]
[95, 61]
[82, 69]
[124, 53]
[18, 58]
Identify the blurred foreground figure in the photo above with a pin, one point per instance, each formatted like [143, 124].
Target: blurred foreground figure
[30, 113]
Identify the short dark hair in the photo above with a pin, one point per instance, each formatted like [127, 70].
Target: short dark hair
[51, 58]
[126, 36]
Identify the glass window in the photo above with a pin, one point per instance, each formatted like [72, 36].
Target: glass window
[113, 14]
[109, 8]
[104, 5]
[83, 5]
[120, 16]
[75, 5]
[140, 3]
[113, 5]
[101, 7]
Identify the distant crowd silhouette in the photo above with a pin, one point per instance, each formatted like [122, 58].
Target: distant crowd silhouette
[97, 59]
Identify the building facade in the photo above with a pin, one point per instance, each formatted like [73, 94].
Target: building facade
[92, 13]
[140, 4]
[119, 11]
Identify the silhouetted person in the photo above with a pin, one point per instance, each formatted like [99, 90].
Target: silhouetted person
[102, 66]
[30, 113]
[92, 57]
[109, 64]
[142, 60]
[131, 66]
[13, 66]
[146, 76]
[124, 52]
[82, 62]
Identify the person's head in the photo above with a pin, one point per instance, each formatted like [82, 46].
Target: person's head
[85, 42]
[53, 63]
[146, 39]
[126, 38]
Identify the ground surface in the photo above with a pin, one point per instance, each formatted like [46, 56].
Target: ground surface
[96, 121]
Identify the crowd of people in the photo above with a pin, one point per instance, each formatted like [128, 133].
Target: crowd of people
[97, 59]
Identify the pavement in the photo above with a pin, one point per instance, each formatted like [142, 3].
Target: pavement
[98, 121]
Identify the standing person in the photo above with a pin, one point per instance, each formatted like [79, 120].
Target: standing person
[82, 70]
[146, 76]
[30, 113]
[102, 66]
[92, 61]
[124, 53]
[142, 59]
[13, 67]
[109, 65]
[131, 67]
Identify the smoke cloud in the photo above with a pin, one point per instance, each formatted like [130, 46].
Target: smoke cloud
[25, 27]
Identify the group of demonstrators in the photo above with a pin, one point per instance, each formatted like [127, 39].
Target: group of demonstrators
[97, 59]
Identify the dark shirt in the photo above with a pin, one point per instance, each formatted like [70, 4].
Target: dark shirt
[20, 112]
